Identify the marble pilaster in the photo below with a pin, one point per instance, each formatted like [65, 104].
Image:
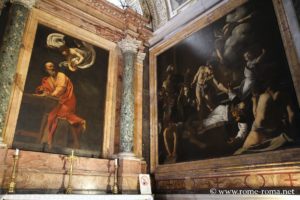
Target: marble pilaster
[138, 95]
[9, 52]
[140, 58]
[129, 47]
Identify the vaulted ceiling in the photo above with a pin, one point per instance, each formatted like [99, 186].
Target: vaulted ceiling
[157, 11]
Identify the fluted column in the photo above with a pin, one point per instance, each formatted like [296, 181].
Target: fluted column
[138, 104]
[9, 52]
[129, 47]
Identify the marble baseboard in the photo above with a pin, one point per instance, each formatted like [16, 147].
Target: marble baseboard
[224, 197]
[44, 173]
[75, 197]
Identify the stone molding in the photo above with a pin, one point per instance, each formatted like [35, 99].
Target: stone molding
[129, 44]
[26, 3]
[2, 145]
[159, 12]
[103, 18]
[162, 11]
[140, 58]
[76, 197]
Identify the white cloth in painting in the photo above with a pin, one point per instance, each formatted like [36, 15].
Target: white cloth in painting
[219, 114]
[250, 77]
[218, 117]
[243, 130]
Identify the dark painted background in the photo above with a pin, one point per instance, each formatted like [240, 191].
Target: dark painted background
[90, 91]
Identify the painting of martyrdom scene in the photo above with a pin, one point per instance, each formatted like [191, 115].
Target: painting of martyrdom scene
[64, 96]
[227, 89]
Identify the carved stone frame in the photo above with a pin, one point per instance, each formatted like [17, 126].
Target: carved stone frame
[232, 164]
[173, 12]
[39, 17]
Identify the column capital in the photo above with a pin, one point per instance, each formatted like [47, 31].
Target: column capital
[140, 57]
[26, 3]
[129, 44]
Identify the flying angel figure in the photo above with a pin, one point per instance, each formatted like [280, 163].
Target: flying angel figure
[82, 57]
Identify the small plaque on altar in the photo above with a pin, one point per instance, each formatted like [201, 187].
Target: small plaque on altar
[145, 184]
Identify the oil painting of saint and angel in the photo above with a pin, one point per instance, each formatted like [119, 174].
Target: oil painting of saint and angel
[64, 96]
[227, 90]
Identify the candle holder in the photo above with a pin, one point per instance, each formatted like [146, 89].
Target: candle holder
[71, 158]
[12, 184]
[115, 189]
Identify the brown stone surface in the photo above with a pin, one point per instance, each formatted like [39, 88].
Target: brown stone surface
[99, 17]
[262, 170]
[259, 180]
[41, 171]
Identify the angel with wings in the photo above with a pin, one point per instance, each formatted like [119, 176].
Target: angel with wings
[82, 57]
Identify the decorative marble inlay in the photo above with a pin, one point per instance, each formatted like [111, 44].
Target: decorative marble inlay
[261, 180]
[129, 44]
[26, 3]
[9, 51]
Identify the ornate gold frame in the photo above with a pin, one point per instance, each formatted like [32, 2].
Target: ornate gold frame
[39, 17]
[228, 164]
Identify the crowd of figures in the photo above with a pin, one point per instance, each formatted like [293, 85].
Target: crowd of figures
[197, 110]
[227, 90]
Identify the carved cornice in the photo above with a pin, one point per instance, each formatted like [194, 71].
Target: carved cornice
[100, 17]
[140, 58]
[129, 44]
[109, 34]
[127, 20]
[26, 3]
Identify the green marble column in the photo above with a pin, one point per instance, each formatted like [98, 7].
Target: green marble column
[9, 52]
[129, 47]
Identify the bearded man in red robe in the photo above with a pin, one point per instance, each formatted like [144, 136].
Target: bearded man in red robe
[58, 85]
